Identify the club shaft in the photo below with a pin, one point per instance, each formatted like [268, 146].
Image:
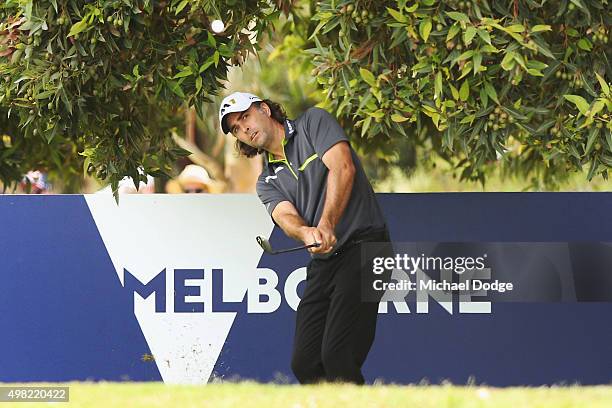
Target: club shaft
[281, 251]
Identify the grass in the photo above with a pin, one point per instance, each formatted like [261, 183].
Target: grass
[251, 394]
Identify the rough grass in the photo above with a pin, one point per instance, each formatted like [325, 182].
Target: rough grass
[245, 394]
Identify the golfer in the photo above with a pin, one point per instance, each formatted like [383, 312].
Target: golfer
[315, 189]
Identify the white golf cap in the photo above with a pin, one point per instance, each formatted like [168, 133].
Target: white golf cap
[236, 102]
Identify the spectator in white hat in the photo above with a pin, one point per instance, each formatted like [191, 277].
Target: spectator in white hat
[194, 179]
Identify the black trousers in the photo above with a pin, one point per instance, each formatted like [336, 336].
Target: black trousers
[335, 326]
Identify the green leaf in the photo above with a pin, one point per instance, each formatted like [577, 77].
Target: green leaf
[508, 62]
[519, 58]
[465, 70]
[572, 32]
[606, 160]
[368, 77]
[435, 118]
[458, 16]
[464, 91]
[465, 55]
[484, 98]
[535, 64]
[438, 84]
[366, 125]
[604, 86]
[594, 165]
[77, 28]
[490, 90]
[176, 88]
[489, 49]
[579, 101]
[540, 27]
[447, 140]
[226, 51]
[484, 34]
[184, 73]
[317, 29]
[454, 91]
[477, 61]
[597, 107]
[452, 32]
[207, 64]
[216, 56]
[609, 140]
[211, 40]
[379, 114]
[591, 140]
[421, 67]
[66, 101]
[181, 6]
[397, 118]
[468, 35]
[412, 8]
[45, 94]
[515, 28]
[543, 48]
[398, 16]
[433, 114]
[425, 28]
[585, 44]
[534, 72]
[468, 119]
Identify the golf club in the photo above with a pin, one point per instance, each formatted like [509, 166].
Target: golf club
[265, 244]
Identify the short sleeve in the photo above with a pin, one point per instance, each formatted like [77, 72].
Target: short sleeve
[323, 130]
[268, 194]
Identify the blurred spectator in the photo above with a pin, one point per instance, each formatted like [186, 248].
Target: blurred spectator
[37, 181]
[193, 179]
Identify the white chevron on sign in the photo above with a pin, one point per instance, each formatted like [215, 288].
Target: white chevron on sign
[147, 233]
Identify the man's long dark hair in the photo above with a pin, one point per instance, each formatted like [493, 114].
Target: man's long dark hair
[277, 113]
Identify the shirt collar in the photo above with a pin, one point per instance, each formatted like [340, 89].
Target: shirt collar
[290, 131]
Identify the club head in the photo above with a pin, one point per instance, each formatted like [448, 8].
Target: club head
[263, 242]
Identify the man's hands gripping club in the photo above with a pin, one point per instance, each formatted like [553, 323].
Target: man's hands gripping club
[287, 217]
[322, 234]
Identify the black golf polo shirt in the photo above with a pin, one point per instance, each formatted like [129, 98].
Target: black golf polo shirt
[301, 178]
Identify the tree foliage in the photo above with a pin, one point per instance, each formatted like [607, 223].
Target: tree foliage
[98, 85]
[524, 85]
